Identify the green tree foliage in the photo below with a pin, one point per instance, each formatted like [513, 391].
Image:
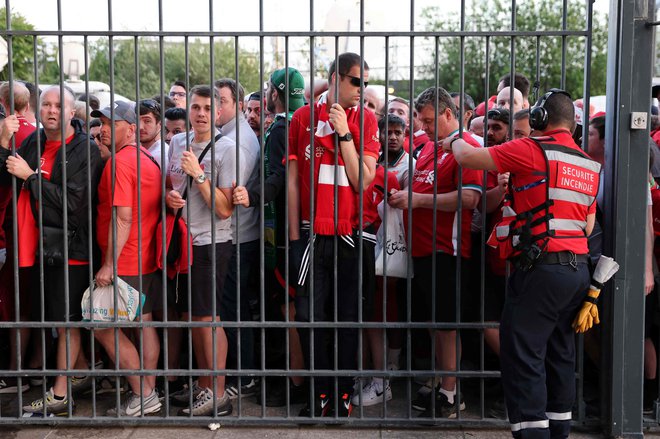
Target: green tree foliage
[495, 15]
[22, 47]
[199, 70]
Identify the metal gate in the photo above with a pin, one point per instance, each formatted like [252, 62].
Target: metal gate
[405, 61]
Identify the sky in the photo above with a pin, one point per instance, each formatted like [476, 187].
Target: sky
[278, 16]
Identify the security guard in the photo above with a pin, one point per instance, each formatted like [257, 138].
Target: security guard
[544, 232]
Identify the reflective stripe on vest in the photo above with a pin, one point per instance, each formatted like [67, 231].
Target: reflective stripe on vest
[571, 196]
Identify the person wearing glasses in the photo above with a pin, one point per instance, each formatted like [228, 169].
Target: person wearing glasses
[150, 139]
[178, 94]
[336, 133]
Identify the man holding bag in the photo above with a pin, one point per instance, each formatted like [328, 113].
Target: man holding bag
[40, 163]
[137, 203]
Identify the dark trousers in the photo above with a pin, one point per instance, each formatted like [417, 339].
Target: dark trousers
[325, 306]
[538, 348]
[249, 262]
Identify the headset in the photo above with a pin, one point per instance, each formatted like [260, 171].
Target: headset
[538, 115]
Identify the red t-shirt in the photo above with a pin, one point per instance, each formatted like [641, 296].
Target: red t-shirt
[447, 223]
[126, 195]
[28, 231]
[523, 158]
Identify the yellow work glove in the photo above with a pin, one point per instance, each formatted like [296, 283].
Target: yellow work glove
[588, 314]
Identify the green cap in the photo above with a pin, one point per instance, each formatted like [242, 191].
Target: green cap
[296, 86]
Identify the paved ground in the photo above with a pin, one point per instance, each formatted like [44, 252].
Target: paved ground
[397, 411]
[256, 433]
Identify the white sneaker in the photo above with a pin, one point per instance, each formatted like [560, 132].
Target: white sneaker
[203, 405]
[132, 405]
[372, 394]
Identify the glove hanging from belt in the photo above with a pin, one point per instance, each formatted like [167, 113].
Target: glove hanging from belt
[588, 314]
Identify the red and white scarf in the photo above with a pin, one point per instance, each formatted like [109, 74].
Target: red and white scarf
[324, 172]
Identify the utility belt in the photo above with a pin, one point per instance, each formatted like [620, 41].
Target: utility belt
[526, 261]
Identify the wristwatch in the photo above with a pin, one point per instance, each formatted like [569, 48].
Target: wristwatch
[346, 137]
[201, 178]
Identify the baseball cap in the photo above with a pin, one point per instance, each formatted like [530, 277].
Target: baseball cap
[296, 86]
[123, 111]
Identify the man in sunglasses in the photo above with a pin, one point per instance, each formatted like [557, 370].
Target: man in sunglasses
[150, 131]
[334, 129]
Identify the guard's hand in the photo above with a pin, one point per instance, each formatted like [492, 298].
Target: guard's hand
[503, 180]
[338, 120]
[174, 200]
[104, 275]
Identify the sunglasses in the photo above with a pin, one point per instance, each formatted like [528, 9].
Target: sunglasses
[177, 94]
[355, 81]
[151, 106]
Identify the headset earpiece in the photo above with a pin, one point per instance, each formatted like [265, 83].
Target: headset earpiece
[538, 115]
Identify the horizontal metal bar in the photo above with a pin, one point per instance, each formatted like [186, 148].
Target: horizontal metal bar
[99, 373]
[249, 324]
[504, 33]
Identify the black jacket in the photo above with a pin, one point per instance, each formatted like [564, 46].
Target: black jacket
[78, 179]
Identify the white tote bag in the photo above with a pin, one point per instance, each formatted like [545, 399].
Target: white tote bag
[100, 306]
[392, 248]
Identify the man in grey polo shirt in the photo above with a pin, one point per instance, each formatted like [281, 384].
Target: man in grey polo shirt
[245, 235]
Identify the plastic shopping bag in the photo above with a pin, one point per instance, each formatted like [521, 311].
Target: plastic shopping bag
[99, 305]
[393, 248]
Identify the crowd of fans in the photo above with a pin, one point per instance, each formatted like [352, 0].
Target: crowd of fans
[225, 159]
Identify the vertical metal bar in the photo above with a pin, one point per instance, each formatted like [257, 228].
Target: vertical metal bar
[239, 363]
[187, 207]
[482, 261]
[625, 209]
[335, 215]
[312, 209]
[65, 213]
[214, 305]
[434, 226]
[140, 346]
[113, 170]
[564, 23]
[262, 254]
[91, 237]
[163, 215]
[409, 261]
[457, 387]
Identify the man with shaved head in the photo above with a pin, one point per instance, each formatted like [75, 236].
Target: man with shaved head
[504, 99]
[38, 170]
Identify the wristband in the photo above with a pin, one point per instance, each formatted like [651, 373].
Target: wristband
[451, 144]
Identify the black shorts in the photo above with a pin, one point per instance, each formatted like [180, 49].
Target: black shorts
[55, 306]
[151, 288]
[202, 276]
[445, 288]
